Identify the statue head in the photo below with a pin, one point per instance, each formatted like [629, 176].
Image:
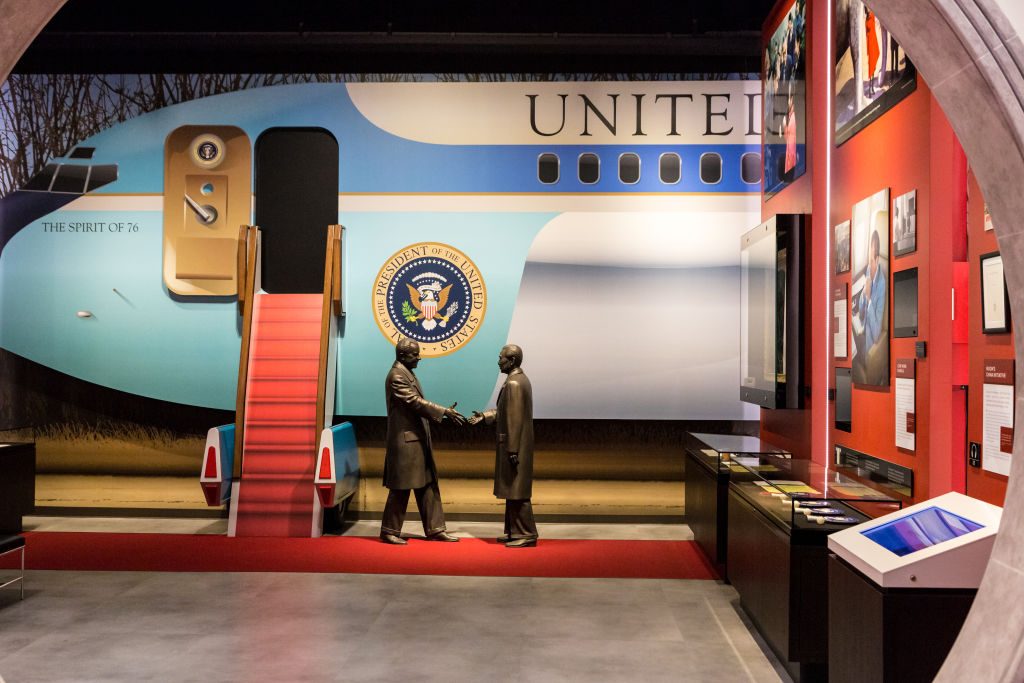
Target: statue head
[407, 352]
[510, 358]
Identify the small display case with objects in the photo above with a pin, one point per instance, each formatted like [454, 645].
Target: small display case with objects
[708, 464]
[807, 498]
[900, 587]
[781, 512]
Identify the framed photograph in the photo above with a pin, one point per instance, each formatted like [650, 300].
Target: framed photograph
[869, 292]
[784, 67]
[843, 248]
[904, 224]
[872, 72]
[995, 300]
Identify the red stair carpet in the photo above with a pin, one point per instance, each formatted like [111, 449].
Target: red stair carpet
[276, 492]
[361, 555]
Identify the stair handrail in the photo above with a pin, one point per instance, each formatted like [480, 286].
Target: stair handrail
[331, 309]
[248, 258]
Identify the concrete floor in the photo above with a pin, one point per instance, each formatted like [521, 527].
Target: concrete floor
[129, 626]
[149, 626]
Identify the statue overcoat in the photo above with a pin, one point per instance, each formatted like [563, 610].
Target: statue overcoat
[513, 419]
[409, 458]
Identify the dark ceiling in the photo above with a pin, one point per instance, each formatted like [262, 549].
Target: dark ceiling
[535, 36]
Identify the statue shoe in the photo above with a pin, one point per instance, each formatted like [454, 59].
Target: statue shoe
[393, 540]
[522, 543]
[443, 536]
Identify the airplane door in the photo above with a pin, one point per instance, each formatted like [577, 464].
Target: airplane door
[207, 195]
[296, 199]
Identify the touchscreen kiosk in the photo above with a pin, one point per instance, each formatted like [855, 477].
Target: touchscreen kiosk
[941, 543]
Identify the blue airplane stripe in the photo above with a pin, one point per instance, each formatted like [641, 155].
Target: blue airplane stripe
[513, 168]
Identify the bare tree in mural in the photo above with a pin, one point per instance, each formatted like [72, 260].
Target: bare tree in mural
[44, 116]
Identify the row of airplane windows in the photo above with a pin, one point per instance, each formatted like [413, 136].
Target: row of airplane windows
[670, 168]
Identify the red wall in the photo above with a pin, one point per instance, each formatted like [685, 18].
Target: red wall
[982, 484]
[910, 147]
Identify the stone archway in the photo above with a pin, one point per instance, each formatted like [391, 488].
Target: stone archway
[972, 57]
[973, 60]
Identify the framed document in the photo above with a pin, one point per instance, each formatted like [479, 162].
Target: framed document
[995, 301]
[840, 335]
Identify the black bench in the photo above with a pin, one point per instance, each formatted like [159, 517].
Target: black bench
[11, 544]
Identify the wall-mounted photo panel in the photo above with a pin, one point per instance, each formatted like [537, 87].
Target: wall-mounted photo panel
[869, 292]
[785, 149]
[873, 72]
[843, 248]
[904, 224]
[995, 301]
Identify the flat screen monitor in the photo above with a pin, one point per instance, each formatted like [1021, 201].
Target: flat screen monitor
[844, 399]
[904, 303]
[920, 530]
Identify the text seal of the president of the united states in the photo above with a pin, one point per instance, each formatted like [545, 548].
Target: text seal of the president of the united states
[432, 293]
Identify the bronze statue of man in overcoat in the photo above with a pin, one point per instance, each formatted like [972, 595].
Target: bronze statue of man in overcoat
[409, 458]
[513, 458]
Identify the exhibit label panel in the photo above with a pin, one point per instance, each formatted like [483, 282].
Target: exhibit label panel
[997, 439]
[906, 416]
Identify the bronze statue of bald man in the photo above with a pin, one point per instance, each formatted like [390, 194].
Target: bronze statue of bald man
[409, 458]
[513, 459]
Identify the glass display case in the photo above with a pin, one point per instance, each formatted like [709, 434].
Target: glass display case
[781, 512]
[709, 462]
[717, 450]
[804, 496]
[771, 313]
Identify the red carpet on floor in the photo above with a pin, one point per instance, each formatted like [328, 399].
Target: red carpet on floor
[360, 555]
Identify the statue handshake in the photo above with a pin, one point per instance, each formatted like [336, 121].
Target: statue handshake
[455, 416]
[409, 459]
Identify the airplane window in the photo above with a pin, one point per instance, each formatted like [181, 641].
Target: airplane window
[710, 168]
[547, 168]
[629, 168]
[750, 168]
[589, 168]
[669, 168]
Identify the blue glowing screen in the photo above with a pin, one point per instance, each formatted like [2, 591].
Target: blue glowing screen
[920, 530]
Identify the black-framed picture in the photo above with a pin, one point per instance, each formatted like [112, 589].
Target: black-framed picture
[872, 71]
[904, 224]
[785, 87]
[995, 300]
[843, 248]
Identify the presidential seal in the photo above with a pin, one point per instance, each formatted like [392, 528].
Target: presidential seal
[432, 293]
